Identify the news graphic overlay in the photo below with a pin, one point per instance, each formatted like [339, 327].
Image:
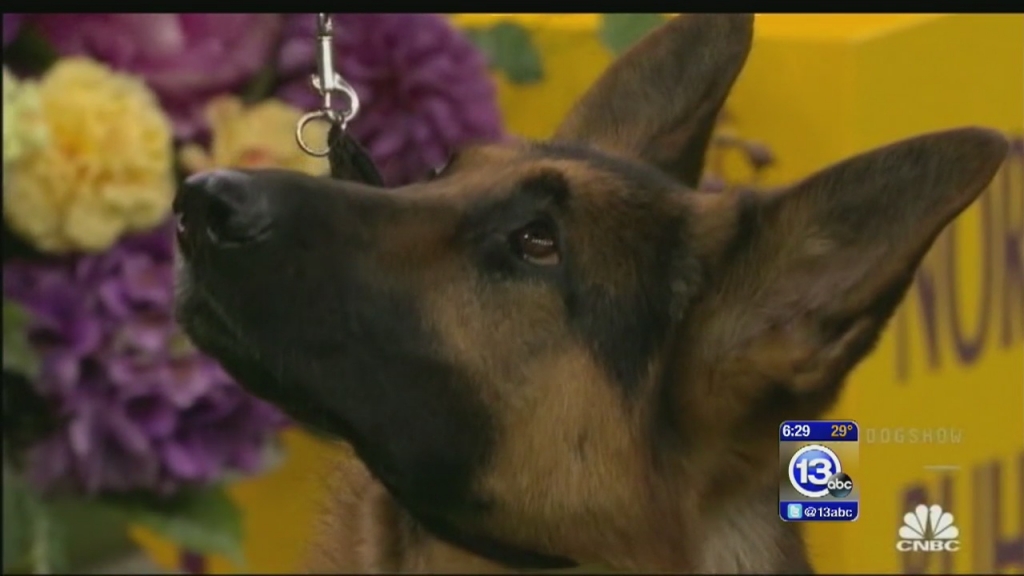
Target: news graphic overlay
[819, 462]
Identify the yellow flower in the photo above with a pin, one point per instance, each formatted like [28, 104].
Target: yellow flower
[24, 129]
[258, 136]
[106, 170]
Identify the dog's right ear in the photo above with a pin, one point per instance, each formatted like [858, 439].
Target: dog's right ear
[658, 102]
[806, 277]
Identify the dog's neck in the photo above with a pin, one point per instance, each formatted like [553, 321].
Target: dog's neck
[368, 531]
[743, 537]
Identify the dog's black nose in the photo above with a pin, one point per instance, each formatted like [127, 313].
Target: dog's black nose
[222, 207]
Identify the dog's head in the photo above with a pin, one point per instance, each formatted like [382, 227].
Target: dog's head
[558, 345]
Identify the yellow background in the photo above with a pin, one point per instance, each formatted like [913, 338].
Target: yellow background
[818, 88]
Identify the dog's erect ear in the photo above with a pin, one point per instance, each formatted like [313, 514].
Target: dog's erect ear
[659, 101]
[805, 277]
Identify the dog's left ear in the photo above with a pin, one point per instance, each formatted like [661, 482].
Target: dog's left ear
[658, 102]
[803, 279]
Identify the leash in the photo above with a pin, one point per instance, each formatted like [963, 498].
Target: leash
[348, 159]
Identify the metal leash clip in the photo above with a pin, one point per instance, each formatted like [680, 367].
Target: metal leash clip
[327, 82]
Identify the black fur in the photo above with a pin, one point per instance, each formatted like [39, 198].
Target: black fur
[352, 361]
[627, 324]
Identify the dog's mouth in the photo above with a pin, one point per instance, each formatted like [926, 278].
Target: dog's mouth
[208, 326]
[260, 372]
[212, 332]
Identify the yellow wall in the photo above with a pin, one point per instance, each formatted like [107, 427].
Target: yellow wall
[280, 509]
[818, 88]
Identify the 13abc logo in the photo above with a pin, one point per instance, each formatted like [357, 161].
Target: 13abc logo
[815, 471]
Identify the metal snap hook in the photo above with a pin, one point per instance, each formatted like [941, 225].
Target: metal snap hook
[328, 115]
[336, 84]
[327, 82]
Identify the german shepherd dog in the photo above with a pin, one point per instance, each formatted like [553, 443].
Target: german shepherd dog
[560, 354]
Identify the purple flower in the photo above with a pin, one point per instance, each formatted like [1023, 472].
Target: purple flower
[139, 409]
[186, 58]
[423, 86]
[12, 24]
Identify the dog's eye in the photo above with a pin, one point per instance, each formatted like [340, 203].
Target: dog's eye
[536, 243]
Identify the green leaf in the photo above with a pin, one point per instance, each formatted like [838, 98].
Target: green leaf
[31, 51]
[509, 48]
[39, 545]
[620, 31]
[49, 541]
[19, 355]
[17, 521]
[202, 521]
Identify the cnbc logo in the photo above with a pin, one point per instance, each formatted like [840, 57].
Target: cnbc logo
[815, 472]
[928, 529]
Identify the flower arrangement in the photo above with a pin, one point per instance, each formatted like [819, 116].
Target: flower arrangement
[186, 59]
[105, 400]
[99, 176]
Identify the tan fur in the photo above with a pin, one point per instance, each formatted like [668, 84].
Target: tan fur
[366, 532]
